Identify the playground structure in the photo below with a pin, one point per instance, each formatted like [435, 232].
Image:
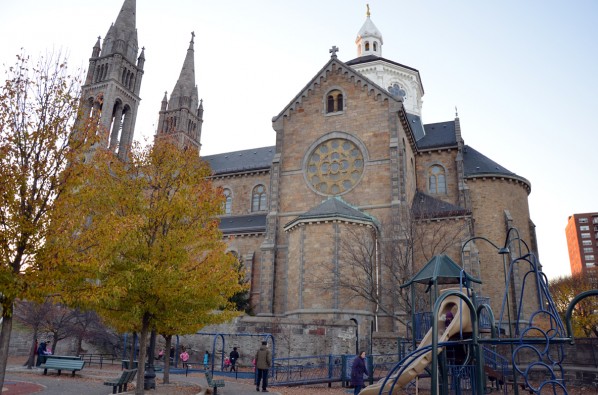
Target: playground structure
[520, 350]
[535, 357]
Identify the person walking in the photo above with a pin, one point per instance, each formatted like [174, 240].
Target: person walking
[263, 362]
[358, 370]
[184, 357]
[206, 360]
[233, 356]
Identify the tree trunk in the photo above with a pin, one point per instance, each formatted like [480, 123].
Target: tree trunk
[5, 340]
[132, 353]
[31, 359]
[79, 344]
[142, 355]
[167, 358]
[54, 343]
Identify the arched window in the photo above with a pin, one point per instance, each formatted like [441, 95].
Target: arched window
[436, 180]
[228, 202]
[375, 46]
[258, 198]
[330, 103]
[334, 101]
[367, 45]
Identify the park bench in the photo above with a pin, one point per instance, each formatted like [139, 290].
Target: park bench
[121, 382]
[61, 364]
[214, 383]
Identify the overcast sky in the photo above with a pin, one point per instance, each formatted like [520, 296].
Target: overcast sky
[523, 74]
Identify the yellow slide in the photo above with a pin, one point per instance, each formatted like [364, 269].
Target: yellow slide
[416, 365]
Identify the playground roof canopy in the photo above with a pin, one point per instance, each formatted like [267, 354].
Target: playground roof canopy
[441, 270]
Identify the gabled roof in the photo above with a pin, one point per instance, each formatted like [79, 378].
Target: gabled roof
[243, 224]
[441, 270]
[438, 135]
[241, 161]
[427, 207]
[331, 209]
[331, 66]
[476, 164]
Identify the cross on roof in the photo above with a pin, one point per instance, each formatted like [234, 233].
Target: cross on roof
[333, 51]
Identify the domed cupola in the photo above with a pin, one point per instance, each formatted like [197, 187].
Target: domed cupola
[369, 38]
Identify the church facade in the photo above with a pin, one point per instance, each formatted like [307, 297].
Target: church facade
[351, 156]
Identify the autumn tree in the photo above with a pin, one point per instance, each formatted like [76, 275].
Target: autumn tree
[144, 248]
[38, 108]
[585, 315]
[377, 259]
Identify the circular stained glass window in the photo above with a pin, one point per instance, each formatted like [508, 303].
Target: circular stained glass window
[334, 166]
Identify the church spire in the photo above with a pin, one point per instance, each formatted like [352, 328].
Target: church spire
[113, 82]
[369, 39]
[185, 88]
[181, 117]
[122, 35]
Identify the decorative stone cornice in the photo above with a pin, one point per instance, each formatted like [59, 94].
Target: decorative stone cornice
[501, 177]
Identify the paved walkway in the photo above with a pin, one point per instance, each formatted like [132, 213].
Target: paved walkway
[22, 381]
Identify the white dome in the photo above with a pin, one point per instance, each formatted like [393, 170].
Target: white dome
[369, 30]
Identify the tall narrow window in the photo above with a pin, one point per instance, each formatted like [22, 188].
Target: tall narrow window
[334, 101]
[258, 198]
[367, 45]
[330, 104]
[228, 202]
[436, 180]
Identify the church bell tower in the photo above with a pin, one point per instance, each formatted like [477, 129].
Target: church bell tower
[181, 118]
[113, 82]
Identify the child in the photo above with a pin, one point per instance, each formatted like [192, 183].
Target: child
[226, 363]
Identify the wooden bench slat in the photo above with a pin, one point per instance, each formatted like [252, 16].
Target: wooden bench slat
[122, 382]
[63, 364]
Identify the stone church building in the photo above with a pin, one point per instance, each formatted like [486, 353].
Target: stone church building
[351, 154]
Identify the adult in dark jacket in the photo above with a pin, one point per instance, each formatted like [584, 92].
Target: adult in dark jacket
[263, 362]
[41, 353]
[233, 356]
[358, 370]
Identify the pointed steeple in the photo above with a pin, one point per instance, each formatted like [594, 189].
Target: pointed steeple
[96, 49]
[122, 35]
[113, 82]
[181, 117]
[369, 39]
[184, 93]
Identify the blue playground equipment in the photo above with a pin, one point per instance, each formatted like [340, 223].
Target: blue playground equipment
[521, 350]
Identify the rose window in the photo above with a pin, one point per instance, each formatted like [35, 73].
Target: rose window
[334, 166]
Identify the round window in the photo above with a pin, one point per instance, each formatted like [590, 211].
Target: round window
[334, 166]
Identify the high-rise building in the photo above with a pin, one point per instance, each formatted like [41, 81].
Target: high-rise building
[582, 242]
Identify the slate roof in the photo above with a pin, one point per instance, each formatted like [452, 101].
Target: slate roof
[417, 127]
[333, 207]
[441, 269]
[426, 206]
[372, 58]
[255, 223]
[477, 164]
[241, 161]
[440, 134]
